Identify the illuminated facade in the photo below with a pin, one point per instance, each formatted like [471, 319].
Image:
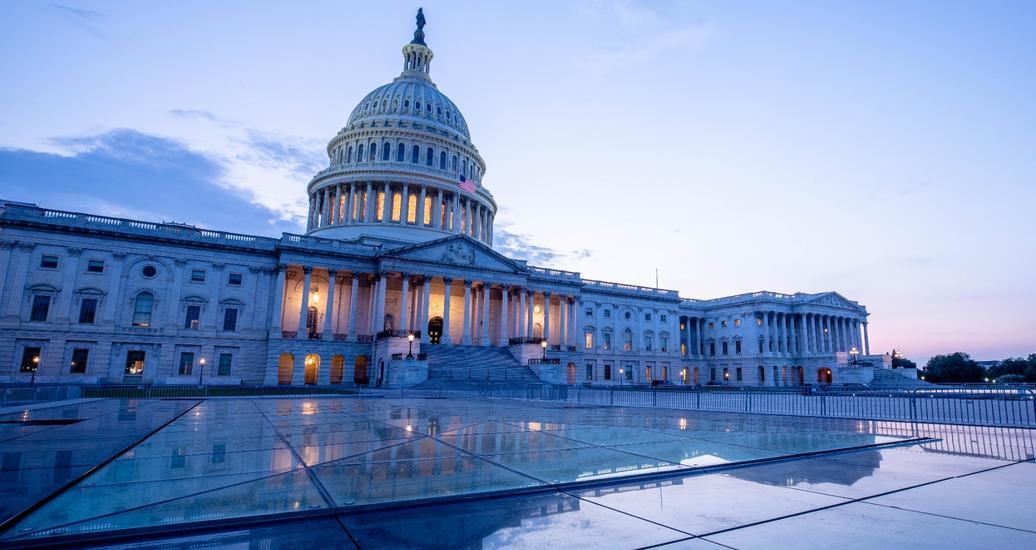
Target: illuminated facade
[399, 241]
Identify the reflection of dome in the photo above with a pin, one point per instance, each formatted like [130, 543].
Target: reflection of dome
[396, 167]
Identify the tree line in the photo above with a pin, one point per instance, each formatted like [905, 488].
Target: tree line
[959, 367]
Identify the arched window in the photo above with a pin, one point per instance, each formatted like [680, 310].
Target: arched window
[350, 158]
[397, 202]
[454, 163]
[464, 167]
[359, 153]
[627, 340]
[411, 213]
[415, 154]
[429, 157]
[386, 150]
[406, 103]
[442, 160]
[427, 211]
[142, 308]
[400, 152]
[374, 151]
[418, 105]
[438, 110]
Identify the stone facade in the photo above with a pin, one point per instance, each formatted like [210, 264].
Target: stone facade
[399, 240]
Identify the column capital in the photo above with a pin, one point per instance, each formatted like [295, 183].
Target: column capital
[307, 269]
[447, 280]
[467, 282]
[331, 273]
[280, 267]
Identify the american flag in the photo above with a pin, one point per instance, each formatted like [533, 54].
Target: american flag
[466, 185]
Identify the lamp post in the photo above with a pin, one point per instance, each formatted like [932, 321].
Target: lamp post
[543, 344]
[622, 377]
[35, 367]
[410, 338]
[201, 369]
[854, 353]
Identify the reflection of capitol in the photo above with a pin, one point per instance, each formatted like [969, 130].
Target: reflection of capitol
[399, 239]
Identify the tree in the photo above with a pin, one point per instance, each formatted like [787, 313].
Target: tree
[1011, 365]
[957, 367]
[1030, 371]
[902, 363]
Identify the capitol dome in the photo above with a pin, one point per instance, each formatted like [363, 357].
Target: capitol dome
[403, 168]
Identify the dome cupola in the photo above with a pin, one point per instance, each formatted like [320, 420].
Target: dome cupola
[403, 168]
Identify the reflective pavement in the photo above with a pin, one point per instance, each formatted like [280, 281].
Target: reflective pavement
[379, 472]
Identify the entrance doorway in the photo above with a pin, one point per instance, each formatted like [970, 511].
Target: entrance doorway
[824, 375]
[312, 365]
[571, 373]
[435, 330]
[337, 369]
[285, 366]
[360, 370]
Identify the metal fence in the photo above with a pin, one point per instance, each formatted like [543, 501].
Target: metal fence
[21, 395]
[978, 406]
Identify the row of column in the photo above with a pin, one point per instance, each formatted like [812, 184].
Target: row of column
[516, 310]
[357, 203]
[791, 334]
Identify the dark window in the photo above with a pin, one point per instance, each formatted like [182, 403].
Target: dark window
[589, 371]
[712, 325]
[723, 324]
[179, 458]
[142, 307]
[647, 316]
[454, 163]
[429, 157]
[95, 266]
[589, 312]
[197, 275]
[193, 317]
[438, 110]
[40, 308]
[230, 319]
[386, 151]
[442, 160]
[80, 356]
[724, 348]
[663, 318]
[30, 359]
[234, 279]
[219, 453]
[406, 103]
[607, 371]
[415, 154]
[225, 359]
[738, 374]
[712, 348]
[712, 374]
[417, 105]
[737, 347]
[49, 262]
[400, 152]
[88, 311]
[374, 151]
[149, 271]
[760, 346]
[607, 314]
[349, 158]
[186, 362]
[627, 315]
[359, 153]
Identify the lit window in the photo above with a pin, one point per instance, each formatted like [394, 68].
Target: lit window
[589, 340]
[737, 322]
[193, 317]
[95, 266]
[411, 212]
[40, 308]
[80, 357]
[197, 275]
[49, 262]
[606, 341]
[427, 211]
[234, 279]
[397, 205]
[758, 321]
[723, 324]
[379, 206]
[31, 359]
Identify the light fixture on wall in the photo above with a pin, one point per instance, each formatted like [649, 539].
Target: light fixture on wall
[536, 309]
[316, 295]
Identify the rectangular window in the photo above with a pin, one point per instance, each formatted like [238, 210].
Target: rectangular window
[588, 340]
[726, 374]
[760, 346]
[647, 316]
[738, 374]
[40, 308]
[665, 371]
[737, 322]
[589, 312]
[134, 362]
[95, 266]
[589, 372]
[663, 318]
[197, 275]
[712, 325]
[225, 359]
[607, 370]
[712, 374]
[219, 453]
[186, 363]
[234, 279]
[663, 343]
[724, 348]
[606, 341]
[48, 262]
[88, 311]
[723, 324]
[230, 319]
[607, 314]
[712, 348]
[629, 372]
[179, 458]
[647, 371]
[31, 359]
[193, 317]
[647, 343]
[737, 347]
[80, 356]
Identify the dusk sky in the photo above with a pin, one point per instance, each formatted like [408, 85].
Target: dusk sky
[885, 150]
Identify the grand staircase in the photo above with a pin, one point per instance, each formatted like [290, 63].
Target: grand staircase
[450, 365]
[892, 378]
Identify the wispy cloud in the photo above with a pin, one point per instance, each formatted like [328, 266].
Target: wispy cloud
[82, 18]
[195, 114]
[520, 246]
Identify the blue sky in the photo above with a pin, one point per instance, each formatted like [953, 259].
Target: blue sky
[881, 149]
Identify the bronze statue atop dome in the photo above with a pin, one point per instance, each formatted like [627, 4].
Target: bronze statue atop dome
[419, 33]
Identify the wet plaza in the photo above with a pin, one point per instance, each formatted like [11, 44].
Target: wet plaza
[380, 472]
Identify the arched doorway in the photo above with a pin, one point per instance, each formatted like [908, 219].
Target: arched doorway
[823, 375]
[337, 369]
[285, 367]
[381, 374]
[312, 367]
[802, 376]
[360, 370]
[311, 320]
[435, 330]
[683, 375]
[697, 376]
[571, 374]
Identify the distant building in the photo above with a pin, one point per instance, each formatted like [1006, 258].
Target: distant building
[399, 241]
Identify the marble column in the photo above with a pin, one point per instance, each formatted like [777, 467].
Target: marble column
[404, 205]
[486, 293]
[446, 311]
[304, 304]
[505, 296]
[404, 304]
[866, 340]
[521, 314]
[353, 291]
[562, 322]
[426, 296]
[530, 321]
[546, 318]
[278, 302]
[466, 325]
[419, 221]
[329, 307]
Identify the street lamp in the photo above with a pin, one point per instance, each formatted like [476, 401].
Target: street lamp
[410, 338]
[854, 353]
[543, 344]
[35, 367]
[201, 369]
[622, 378]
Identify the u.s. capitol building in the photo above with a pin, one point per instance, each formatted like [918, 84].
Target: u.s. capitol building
[399, 242]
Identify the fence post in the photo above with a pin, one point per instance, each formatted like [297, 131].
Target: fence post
[748, 402]
[697, 399]
[823, 405]
[913, 404]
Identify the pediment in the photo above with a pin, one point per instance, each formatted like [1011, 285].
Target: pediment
[834, 299]
[458, 251]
